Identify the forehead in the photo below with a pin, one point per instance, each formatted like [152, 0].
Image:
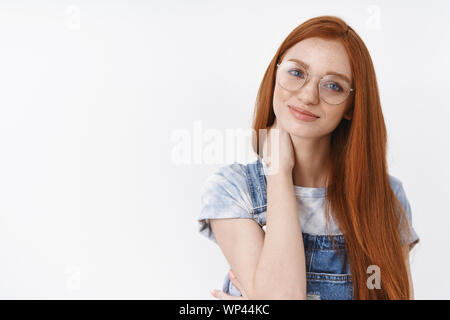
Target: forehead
[322, 56]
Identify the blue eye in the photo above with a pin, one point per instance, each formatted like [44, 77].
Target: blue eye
[297, 73]
[333, 86]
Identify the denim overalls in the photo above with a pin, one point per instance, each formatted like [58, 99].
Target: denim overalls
[328, 275]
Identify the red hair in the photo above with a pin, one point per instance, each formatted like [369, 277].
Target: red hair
[358, 192]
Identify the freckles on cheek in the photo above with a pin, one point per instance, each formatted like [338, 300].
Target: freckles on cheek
[280, 99]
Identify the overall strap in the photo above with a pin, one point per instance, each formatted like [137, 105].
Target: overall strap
[256, 181]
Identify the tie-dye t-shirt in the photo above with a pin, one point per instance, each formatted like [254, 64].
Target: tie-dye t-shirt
[226, 195]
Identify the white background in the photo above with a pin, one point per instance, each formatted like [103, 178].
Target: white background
[92, 204]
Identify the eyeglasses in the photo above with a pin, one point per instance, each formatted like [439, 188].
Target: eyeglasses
[333, 89]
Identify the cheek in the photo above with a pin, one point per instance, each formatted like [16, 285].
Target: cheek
[280, 98]
[332, 119]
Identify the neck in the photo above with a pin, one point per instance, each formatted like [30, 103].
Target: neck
[312, 156]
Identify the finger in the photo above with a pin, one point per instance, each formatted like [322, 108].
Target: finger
[224, 296]
[237, 284]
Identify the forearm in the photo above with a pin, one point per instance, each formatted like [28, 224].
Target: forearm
[280, 272]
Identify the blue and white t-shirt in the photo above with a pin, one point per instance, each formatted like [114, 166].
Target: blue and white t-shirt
[226, 195]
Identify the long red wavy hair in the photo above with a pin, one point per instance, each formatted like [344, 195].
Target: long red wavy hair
[359, 194]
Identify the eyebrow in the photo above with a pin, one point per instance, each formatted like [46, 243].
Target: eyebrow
[329, 72]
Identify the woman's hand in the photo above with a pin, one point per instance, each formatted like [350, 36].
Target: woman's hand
[224, 296]
[278, 151]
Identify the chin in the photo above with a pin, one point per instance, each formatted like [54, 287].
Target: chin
[299, 129]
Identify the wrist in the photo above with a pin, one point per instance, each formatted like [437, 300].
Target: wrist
[281, 175]
[274, 168]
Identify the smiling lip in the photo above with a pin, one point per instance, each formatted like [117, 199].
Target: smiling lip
[302, 114]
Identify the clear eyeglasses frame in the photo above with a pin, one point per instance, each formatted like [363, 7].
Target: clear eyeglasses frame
[333, 89]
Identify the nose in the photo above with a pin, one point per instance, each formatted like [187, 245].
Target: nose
[309, 92]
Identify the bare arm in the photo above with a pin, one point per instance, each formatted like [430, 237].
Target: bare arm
[270, 266]
[241, 241]
[281, 269]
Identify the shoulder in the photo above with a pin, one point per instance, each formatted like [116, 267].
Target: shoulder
[229, 182]
[225, 194]
[227, 188]
[228, 176]
[399, 191]
[396, 183]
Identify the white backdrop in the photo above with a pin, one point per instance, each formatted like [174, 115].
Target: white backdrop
[93, 95]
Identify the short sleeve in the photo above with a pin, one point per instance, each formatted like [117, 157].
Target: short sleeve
[401, 196]
[224, 195]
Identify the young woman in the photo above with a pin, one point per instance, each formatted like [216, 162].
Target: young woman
[323, 219]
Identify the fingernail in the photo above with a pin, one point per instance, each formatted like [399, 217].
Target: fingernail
[231, 274]
[213, 292]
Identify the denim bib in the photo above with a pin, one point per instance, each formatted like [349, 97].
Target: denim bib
[327, 267]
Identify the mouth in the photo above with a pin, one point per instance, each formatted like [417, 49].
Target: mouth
[303, 112]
